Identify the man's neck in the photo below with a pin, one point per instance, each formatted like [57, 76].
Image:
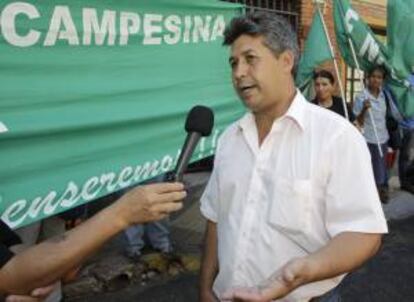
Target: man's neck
[264, 120]
[375, 91]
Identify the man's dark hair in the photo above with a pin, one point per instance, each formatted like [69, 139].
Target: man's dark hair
[276, 30]
[379, 68]
[323, 73]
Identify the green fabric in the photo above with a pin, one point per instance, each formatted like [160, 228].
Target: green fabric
[400, 25]
[95, 94]
[370, 52]
[348, 24]
[316, 51]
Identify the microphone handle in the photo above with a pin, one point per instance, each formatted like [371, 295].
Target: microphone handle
[185, 156]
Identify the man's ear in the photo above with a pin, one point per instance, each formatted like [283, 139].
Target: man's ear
[287, 58]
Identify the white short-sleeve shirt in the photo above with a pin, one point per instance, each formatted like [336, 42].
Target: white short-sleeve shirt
[310, 180]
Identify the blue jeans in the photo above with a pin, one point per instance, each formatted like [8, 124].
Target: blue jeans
[379, 165]
[158, 234]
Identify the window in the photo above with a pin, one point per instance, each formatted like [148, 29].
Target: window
[287, 8]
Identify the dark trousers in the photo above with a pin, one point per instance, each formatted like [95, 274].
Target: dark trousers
[406, 176]
[379, 164]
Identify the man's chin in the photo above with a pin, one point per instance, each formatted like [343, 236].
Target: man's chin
[249, 103]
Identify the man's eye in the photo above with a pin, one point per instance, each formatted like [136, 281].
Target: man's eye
[251, 59]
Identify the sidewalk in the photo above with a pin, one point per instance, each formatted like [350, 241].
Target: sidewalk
[389, 276]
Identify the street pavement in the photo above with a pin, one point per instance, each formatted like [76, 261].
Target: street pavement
[389, 276]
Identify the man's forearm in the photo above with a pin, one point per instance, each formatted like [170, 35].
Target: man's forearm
[48, 261]
[342, 254]
[209, 264]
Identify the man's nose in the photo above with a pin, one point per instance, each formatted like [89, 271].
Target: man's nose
[240, 70]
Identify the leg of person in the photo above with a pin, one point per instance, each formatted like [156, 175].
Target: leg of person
[384, 175]
[383, 166]
[158, 233]
[376, 162]
[404, 161]
[135, 241]
[379, 168]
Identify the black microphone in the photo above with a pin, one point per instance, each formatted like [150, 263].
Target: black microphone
[199, 122]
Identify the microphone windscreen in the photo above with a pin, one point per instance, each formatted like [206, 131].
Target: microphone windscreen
[200, 119]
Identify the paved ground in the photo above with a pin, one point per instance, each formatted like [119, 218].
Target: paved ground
[389, 276]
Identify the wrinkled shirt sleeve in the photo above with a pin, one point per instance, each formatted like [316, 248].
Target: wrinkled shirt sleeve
[352, 203]
[211, 197]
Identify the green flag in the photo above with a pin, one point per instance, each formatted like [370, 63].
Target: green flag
[94, 95]
[350, 28]
[348, 25]
[400, 24]
[316, 51]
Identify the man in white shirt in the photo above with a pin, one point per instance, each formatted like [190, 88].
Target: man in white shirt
[291, 205]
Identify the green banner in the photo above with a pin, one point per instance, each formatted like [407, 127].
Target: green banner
[348, 24]
[316, 51]
[369, 52]
[400, 24]
[95, 95]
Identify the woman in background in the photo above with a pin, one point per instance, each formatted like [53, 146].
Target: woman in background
[324, 89]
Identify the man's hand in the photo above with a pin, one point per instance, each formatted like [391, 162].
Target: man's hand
[150, 202]
[37, 295]
[208, 296]
[282, 282]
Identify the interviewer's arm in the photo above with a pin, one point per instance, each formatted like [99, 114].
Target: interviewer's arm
[44, 263]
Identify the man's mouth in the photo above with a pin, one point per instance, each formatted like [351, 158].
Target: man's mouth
[246, 88]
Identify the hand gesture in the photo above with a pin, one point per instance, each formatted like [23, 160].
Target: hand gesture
[281, 283]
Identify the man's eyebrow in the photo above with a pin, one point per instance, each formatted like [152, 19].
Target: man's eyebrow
[245, 52]
[248, 51]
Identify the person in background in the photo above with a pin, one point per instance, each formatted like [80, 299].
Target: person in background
[324, 83]
[372, 99]
[405, 169]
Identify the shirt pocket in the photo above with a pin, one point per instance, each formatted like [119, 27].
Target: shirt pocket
[289, 210]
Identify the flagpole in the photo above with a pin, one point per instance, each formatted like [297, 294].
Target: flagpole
[354, 56]
[341, 89]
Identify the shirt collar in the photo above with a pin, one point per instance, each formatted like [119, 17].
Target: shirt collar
[370, 95]
[297, 110]
[296, 113]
